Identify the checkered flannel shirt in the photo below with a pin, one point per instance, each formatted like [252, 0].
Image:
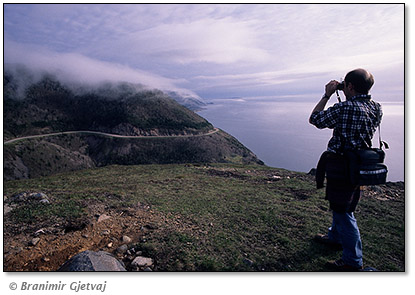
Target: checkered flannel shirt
[353, 121]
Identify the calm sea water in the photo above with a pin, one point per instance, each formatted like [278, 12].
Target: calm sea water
[280, 135]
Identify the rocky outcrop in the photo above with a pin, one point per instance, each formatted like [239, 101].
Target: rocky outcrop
[93, 261]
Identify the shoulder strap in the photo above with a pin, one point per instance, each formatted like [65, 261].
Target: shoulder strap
[382, 143]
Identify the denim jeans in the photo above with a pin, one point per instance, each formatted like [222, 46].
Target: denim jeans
[344, 230]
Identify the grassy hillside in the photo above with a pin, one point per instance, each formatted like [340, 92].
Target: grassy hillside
[216, 217]
[45, 156]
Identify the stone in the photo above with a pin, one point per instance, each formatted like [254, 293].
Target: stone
[105, 232]
[37, 196]
[17, 198]
[151, 226]
[126, 239]
[93, 261]
[24, 197]
[141, 261]
[122, 249]
[248, 262]
[103, 217]
[369, 268]
[34, 241]
[312, 172]
[7, 208]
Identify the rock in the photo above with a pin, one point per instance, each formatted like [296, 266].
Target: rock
[376, 189]
[105, 232]
[126, 239]
[7, 208]
[151, 226]
[34, 241]
[141, 261]
[24, 197]
[312, 172]
[122, 249]
[103, 217]
[37, 196]
[40, 232]
[17, 198]
[248, 262]
[148, 269]
[369, 268]
[93, 261]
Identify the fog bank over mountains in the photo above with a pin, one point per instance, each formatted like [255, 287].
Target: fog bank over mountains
[29, 64]
[102, 83]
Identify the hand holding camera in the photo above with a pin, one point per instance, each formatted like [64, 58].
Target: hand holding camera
[334, 86]
[331, 87]
[340, 86]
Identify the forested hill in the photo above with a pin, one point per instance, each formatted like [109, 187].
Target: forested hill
[166, 131]
[49, 106]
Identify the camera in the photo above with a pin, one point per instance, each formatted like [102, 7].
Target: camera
[340, 86]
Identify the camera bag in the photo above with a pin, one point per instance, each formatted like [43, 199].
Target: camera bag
[366, 166]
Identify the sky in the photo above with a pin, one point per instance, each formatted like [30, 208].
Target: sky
[213, 51]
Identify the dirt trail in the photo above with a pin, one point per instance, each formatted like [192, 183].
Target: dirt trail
[110, 135]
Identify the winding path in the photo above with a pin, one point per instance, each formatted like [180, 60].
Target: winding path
[109, 135]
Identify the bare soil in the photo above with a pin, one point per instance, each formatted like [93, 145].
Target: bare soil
[60, 241]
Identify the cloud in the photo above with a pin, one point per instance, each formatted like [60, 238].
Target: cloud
[77, 68]
[215, 41]
[204, 47]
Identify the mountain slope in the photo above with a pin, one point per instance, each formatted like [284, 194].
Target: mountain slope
[173, 133]
[49, 106]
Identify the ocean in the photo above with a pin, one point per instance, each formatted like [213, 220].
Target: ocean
[279, 133]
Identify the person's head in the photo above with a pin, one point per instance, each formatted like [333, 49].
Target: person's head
[358, 81]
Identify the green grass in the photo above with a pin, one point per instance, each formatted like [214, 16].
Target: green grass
[224, 217]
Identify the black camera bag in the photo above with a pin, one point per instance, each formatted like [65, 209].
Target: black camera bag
[366, 166]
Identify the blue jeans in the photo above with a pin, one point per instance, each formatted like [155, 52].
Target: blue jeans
[344, 230]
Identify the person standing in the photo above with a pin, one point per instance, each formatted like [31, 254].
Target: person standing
[354, 122]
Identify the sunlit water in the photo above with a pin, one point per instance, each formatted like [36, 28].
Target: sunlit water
[280, 135]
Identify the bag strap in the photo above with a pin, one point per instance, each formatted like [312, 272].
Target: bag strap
[382, 143]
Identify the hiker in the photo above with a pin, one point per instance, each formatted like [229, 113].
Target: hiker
[354, 123]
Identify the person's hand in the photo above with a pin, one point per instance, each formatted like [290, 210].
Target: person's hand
[331, 87]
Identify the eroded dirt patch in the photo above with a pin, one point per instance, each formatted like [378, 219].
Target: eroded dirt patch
[55, 243]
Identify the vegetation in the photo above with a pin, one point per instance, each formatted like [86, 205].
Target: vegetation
[220, 217]
[48, 106]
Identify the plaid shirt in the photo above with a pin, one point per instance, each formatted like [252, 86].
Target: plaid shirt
[354, 122]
